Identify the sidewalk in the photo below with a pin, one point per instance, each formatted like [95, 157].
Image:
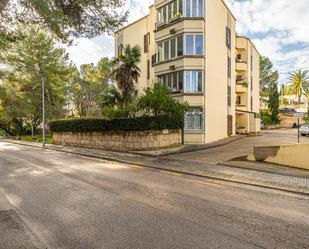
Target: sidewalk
[257, 174]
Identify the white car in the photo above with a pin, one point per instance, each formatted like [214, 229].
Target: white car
[304, 129]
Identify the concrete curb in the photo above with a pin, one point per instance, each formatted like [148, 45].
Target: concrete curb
[224, 179]
[192, 149]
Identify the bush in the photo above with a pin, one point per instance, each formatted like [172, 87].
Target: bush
[125, 124]
[157, 100]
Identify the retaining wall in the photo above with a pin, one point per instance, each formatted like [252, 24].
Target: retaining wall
[120, 141]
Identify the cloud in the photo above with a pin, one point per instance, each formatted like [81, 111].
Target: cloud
[278, 28]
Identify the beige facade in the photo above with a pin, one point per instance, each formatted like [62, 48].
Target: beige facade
[191, 46]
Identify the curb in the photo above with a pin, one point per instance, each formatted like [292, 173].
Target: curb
[183, 151]
[267, 186]
[261, 170]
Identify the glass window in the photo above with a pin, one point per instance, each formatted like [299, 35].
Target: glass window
[164, 14]
[193, 81]
[194, 8]
[179, 45]
[188, 8]
[194, 119]
[199, 45]
[175, 10]
[160, 51]
[169, 83]
[175, 82]
[169, 11]
[173, 48]
[180, 8]
[166, 50]
[200, 7]
[200, 81]
[180, 81]
[189, 44]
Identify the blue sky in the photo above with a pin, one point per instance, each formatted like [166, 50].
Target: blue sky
[279, 29]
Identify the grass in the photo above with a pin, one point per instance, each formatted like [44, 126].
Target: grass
[37, 138]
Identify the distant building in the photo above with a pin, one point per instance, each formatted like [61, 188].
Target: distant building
[191, 46]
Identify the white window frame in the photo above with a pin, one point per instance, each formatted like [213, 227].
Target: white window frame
[194, 113]
[191, 81]
[194, 43]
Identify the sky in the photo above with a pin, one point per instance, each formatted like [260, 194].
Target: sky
[278, 28]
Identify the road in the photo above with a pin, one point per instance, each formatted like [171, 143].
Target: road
[55, 200]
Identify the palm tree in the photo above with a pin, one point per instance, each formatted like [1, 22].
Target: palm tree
[127, 71]
[299, 84]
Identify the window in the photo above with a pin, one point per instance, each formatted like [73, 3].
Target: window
[180, 46]
[194, 119]
[173, 81]
[189, 44]
[229, 67]
[169, 11]
[229, 95]
[199, 45]
[166, 50]
[160, 51]
[251, 103]
[193, 81]
[251, 63]
[238, 102]
[194, 8]
[251, 83]
[148, 69]
[146, 42]
[238, 57]
[174, 47]
[228, 37]
[194, 44]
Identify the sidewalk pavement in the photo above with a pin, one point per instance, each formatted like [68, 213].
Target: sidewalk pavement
[256, 174]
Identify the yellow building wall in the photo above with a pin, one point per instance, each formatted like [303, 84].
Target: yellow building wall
[216, 71]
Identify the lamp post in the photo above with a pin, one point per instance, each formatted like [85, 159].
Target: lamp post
[43, 103]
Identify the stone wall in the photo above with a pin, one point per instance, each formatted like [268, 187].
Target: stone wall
[120, 141]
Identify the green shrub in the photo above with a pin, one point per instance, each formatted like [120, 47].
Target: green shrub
[157, 100]
[125, 124]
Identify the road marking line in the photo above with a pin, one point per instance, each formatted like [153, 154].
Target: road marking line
[170, 173]
[137, 166]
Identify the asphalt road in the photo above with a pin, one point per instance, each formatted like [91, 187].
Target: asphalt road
[55, 200]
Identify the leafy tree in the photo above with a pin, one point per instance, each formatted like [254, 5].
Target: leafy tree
[71, 18]
[273, 104]
[87, 87]
[267, 75]
[299, 84]
[157, 100]
[126, 71]
[28, 63]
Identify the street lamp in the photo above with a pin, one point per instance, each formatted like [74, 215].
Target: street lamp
[43, 103]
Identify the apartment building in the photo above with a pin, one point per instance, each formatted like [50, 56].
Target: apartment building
[191, 46]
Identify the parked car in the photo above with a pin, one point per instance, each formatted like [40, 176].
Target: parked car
[287, 111]
[304, 129]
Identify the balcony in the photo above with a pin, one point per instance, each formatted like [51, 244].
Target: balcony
[241, 87]
[241, 66]
[241, 107]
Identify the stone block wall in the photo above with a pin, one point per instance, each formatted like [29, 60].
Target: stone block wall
[120, 141]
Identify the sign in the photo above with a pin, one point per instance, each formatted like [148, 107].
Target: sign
[298, 115]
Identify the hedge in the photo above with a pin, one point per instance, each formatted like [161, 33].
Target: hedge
[125, 124]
